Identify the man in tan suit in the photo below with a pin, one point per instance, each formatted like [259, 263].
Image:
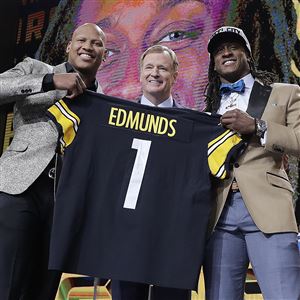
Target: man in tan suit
[253, 219]
[26, 189]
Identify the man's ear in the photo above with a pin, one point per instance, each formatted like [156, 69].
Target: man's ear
[212, 63]
[175, 76]
[248, 55]
[104, 57]
[68, 47]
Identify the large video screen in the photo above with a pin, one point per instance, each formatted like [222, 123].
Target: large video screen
[45, 27]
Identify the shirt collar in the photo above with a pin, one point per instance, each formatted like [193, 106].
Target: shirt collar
[167, 103]
[249, 81]
[70, 69]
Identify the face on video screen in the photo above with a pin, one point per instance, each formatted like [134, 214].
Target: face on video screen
[133, 26]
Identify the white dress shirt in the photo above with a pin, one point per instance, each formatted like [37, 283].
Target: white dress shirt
[240, 101]
[167, 103]
[237, 100]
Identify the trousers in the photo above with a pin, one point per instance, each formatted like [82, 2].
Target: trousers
[25, 226]
[236, 240]
[124, 290]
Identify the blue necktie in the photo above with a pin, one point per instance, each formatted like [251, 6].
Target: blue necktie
[227, 88]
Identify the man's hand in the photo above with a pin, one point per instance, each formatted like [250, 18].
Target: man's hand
[72, 82]
[238, 121]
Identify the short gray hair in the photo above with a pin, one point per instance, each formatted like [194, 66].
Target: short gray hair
[160, 49]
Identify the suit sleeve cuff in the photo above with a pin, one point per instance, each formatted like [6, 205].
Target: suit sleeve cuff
[48, 84]
[263, 140]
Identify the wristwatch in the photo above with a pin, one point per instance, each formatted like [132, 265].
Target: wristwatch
[260, 128]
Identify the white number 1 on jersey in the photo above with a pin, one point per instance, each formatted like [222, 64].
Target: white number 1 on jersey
[143, 148]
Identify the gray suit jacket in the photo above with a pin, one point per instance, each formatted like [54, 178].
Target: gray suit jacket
[35, 137]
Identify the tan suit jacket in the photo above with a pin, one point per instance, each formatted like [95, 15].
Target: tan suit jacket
[262, 181]
[35, 137]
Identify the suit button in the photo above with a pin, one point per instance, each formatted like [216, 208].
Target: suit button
[236, 165]
[278, 148]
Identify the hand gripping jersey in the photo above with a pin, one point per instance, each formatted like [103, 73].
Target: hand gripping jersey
[134, 195]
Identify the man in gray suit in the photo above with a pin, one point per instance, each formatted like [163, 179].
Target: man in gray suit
[26, 186]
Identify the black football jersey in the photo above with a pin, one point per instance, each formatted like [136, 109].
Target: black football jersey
[134, 195]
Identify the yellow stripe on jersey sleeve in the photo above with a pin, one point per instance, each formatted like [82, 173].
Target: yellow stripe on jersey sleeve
[68, 120]
[71, 114]
[219, 149]
[218, 138]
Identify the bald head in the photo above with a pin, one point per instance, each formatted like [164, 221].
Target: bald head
[86, 50]
[90, 26]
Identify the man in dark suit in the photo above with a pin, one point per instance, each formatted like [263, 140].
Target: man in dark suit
[26, 184]
[158, 73]
[253, 218]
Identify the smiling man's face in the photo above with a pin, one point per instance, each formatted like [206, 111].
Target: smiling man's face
[231, 61]
[157, 76]
[86, 49]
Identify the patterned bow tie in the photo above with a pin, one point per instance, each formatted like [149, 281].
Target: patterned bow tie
[227, 88]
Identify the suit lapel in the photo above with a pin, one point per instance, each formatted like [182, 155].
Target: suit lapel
[258, 99]
[60, 68]
[59, 94]
[177, 105]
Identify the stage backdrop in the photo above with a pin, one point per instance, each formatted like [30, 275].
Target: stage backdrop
[42, 28]
[23, 26]
[133, 25]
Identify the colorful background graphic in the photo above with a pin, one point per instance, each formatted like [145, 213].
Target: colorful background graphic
[41, 29]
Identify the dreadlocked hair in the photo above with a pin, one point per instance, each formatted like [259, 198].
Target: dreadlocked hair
[266, 77]
[212, 90]
[212, 95]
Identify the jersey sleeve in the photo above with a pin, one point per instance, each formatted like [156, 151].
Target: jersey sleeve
[221, 151]
[66, 120]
